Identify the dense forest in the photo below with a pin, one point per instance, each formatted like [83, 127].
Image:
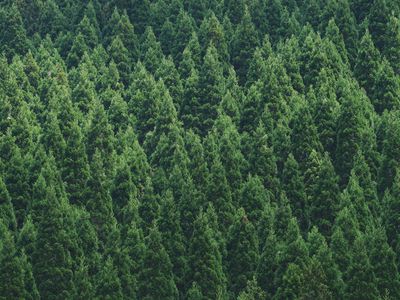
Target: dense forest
[199, 149]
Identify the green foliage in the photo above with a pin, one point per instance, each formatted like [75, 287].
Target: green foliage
[201, 149]
[11, 270]
[156, 277]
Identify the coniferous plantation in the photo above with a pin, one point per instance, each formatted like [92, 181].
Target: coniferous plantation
[200, 149]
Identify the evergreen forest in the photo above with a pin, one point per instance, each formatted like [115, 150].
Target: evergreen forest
[199, 149]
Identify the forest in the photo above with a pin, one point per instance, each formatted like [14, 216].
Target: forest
[199, 149]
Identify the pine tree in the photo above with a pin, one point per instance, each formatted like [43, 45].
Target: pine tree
[194, 293]
[378, 19]
[323, 196]
[100, 137]
[149, 204]
[52, 261]
[243, 253]
[212, 33]
[151, 51]
[229, 149]
[360, 278]
[390, 154]
[268, 265]
[99, 202]
[351, 132]
[386, 91]
[77, 50]
[219, 193]
[31, 291]
[120, 55]
[11, 268]
[156, 277]
[252, 291]
[391, 213]
[108, 282]
[211, 88]
[88, 32]
[173, 239]
[123, 190]
[304, 137]
[320, 251]
[14, 39]
[84, 93]
[368, 185]
[245, 40]
[292, 251]
[293, 185]
[392, 44]
[253, 198]
[170, 76]
[205, 259]
[75, 168]
[346, 22]
[367, 63]
[262, 161]
[382, 259]
[126, 31]
[7, 214]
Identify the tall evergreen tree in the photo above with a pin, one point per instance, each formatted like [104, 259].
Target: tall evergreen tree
[11, 270]
[205, 259]
[156, 277]
[243, 254]
[52, 261]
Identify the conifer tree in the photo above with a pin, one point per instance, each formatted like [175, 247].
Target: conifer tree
[245, 40]
[151, 51]
[252, 291]
[14, 39]
[293, 185]
[389, 133]
[126, 31]
[173, 239]
[304, 137]
[99, 202]
[77, 50]
[211, 32]
[292, 251]
[120, 55]
[52, 261]
[243, 253]
[6, 208]
[205, 259]
[88, 32]
[319, 250]
[361, 281]
[253, 198]
[368, 185]
[382, 259]
[391, 213]
[108, 282]
[262, 161]
[268, 265]
[31, 291]
[100, 137]
[386, 91]
[156, 277]
[351, 133]
[211, 88]
[323, 196]
[366, 63]
[392, 44]
[11, 268]
[378, 19]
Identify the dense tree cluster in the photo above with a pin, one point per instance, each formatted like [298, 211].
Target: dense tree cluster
[200, 149]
